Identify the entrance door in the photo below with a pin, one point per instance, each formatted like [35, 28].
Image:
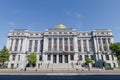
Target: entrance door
[54, 58]
[66, 58]
[60, 58]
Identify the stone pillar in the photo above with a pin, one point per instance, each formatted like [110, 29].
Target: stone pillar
[95, 44]
[13, 45]
[19, 45]
[8, 43]
[57, 44]
[63, 58]
[63, 45]
[57, 56]
[69, 58]
[68, 44]
[24, 49]
[107, 44]
[87, 41]
[51, 58]
[52, 44]
[82, 49]
[75, 42]
[101, 44]
[38, 46]
[33, 45]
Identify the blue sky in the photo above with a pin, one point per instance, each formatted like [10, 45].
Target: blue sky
[38, 15]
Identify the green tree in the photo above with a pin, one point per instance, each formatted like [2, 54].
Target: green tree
[4, 55]
[88, 61]
[32, 58]
[115, 48]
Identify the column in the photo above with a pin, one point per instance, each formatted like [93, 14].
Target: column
[13, 45]
[63, 45]
[57, 56]
[33, 45]
[101, 44]
[63, 58]
[95, 46]
[82, 49]
[24, 45]
[19, 44]
[27, 45]
[87, 41]
[69, 58]
[68, 44]
[45, 44]
[98, 49]
[52, 44]
[38, 46]
[8, 43]
[75, 42]
[107, 44]
[57, 44]
[51, 58]
[112, 40]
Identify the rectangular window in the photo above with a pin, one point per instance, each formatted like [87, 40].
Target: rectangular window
[104, 40]
[49, 57]
[16, 44]
[13, 57]
[21, 44]
[30, 45]
[107, 57]
[92, 57]
[49, 44]
[72, 57]
[109, 40]
[18, 57]
[60, 44]
[11, 44]
[80, 57]
[79, 45]
[36, 44]
[71, 48]
[55, 44]
[40, 57]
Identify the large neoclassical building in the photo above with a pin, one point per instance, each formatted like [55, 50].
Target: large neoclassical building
[60, 47]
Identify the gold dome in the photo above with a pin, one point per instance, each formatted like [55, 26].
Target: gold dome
[60, 26]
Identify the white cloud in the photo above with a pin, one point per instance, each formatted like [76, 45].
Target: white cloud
[11, 23]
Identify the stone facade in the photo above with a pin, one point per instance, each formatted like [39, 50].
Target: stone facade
[61, 47]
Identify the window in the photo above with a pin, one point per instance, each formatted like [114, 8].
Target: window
[30, 45]
[72, 57]
[109, 40]
[92, 57]
[60, 41]
[36, 44]
[21, 44]
[66, 44]
[107, 57]
[40, 57]
[11, 44]
[71, 48]
[16, 44]
[49, 44]
[71, 40]
[104, 42]
[60, 44]
[80, 57]
[49, 57]
[13, 57]
[18, 57]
